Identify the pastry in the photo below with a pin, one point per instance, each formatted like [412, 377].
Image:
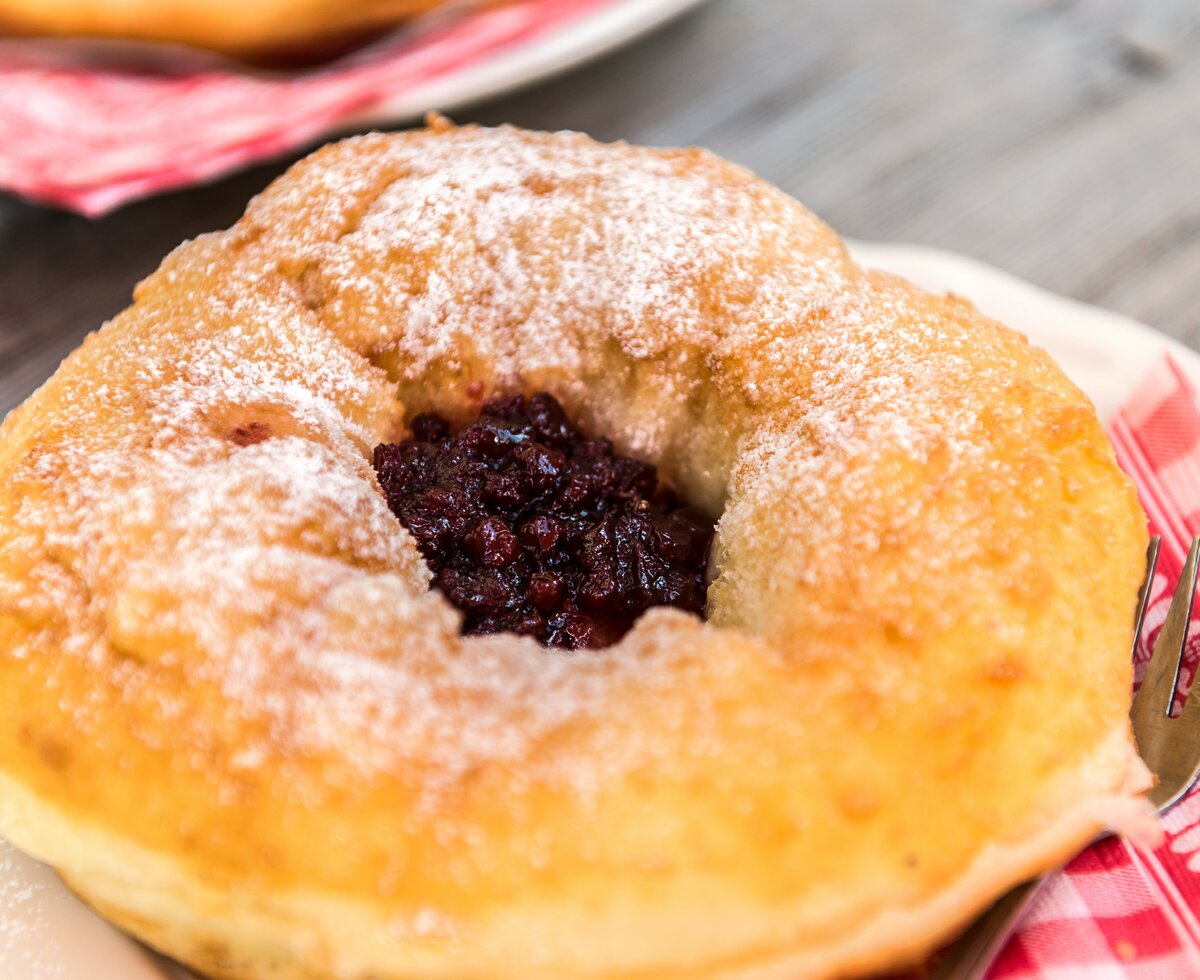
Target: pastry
[240, 29]
[239, 721]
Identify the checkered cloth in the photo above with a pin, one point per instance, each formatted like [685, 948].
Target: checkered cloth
[1117, 912]
[83, 129]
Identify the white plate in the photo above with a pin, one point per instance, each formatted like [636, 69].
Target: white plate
[523, 64]
[45, 933]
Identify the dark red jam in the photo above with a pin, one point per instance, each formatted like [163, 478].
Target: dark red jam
[529, 527]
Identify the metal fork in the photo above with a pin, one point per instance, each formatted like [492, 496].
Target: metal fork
[1169, 745]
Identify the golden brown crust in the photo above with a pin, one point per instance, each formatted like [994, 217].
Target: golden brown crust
[230, 26]
[220, 664]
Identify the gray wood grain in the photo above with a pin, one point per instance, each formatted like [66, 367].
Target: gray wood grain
[1059, 140]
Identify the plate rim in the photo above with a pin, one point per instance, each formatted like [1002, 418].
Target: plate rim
[521, 65]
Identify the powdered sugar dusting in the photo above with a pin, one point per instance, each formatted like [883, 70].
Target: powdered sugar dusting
[515, 259]
[217, 644]
[207, 485]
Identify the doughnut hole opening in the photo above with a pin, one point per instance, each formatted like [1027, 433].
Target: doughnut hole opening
[531, 527]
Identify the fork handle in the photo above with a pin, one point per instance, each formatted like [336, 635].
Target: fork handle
[978, 947]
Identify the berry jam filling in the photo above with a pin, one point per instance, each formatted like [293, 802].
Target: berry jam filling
[531, 528]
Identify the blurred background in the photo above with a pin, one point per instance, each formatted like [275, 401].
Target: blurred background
[1056, 139]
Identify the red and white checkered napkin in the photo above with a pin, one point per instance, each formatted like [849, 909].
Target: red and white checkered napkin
[89, 133]
[1117, 912]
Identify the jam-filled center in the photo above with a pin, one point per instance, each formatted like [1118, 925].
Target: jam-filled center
[529, 527]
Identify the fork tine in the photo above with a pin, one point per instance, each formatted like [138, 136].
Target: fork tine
[1170, 744]
[1157, 692]
[1190, 715]
[1143, 599]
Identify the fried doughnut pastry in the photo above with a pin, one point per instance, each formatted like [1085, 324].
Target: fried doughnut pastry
[240, 723]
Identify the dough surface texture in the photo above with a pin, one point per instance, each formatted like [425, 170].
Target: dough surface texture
[237, 720]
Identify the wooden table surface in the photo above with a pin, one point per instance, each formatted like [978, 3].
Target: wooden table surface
[1058, 140]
